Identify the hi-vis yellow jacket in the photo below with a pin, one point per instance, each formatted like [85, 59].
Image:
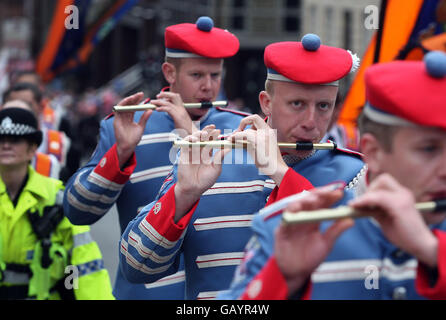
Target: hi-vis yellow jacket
[76, 259]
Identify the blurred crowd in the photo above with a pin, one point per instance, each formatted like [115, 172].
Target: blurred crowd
[75, 116]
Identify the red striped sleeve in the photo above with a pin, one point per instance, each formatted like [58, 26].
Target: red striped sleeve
[292, 183]
[161, 216]
[269, 284]
[438, 291]
[108, 167]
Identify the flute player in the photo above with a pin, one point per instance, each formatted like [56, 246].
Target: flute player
[206, 207]
[132, 156]
[398, 253]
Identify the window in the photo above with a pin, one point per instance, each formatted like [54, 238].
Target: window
[238, 22]
[239, 3]
[293, 3]
[328, 26]
[348, 29]
[292, 24]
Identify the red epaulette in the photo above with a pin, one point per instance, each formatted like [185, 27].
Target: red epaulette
[348, 151]
[109, 116]
[357, 154]
[240, 113]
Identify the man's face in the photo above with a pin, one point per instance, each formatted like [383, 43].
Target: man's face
[15, 151]
[28, 97]
[197, 80]
[300, 113]
[418, 161]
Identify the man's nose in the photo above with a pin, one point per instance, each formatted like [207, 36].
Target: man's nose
[309, 119]
[441, 166]
[207, 83]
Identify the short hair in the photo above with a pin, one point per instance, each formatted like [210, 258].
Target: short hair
[383, 133]
[21, 86]
[176, 62]
[339, 99]
[269, 87]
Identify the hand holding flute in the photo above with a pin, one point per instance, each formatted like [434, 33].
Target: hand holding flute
[299, 249]
[394, 208]
[244, 144]
[128, 133]
[155, 105]
[172, 103]
[264, 149]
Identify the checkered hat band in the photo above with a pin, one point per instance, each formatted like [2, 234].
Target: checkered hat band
[16, 129]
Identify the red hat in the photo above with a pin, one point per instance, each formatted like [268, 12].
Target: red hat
[202, 39]
[408, 92]
[308, 61]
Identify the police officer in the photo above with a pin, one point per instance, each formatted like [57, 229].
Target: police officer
[207, 206]
[42, 255]
[133, 155]
[45, 164]
[400, 253]
[55, 142]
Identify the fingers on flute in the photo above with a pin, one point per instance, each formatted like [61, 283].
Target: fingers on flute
[220, 154]
[133, 99]
[316, 199]
[376, 201]
[214, 134]
[254, 120]
[336, 229]
[144, 117]
[193, 137]
[247, 135]
[209, 127]
[172, 97]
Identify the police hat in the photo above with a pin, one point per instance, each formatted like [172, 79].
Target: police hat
[18, 122]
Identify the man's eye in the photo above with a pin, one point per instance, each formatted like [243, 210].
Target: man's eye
[296, 103]
[324, 106]
[429, 148]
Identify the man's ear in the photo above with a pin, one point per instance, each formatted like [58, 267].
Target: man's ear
[265, 103]
[373, 153]
[169, 72]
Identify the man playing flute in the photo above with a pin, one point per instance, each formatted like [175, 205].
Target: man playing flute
[398, 252]
[132, 156]
[206, 207]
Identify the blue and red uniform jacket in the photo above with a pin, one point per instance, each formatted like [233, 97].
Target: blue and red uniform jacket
[213, 234]
[362, 265]
[97, 186]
